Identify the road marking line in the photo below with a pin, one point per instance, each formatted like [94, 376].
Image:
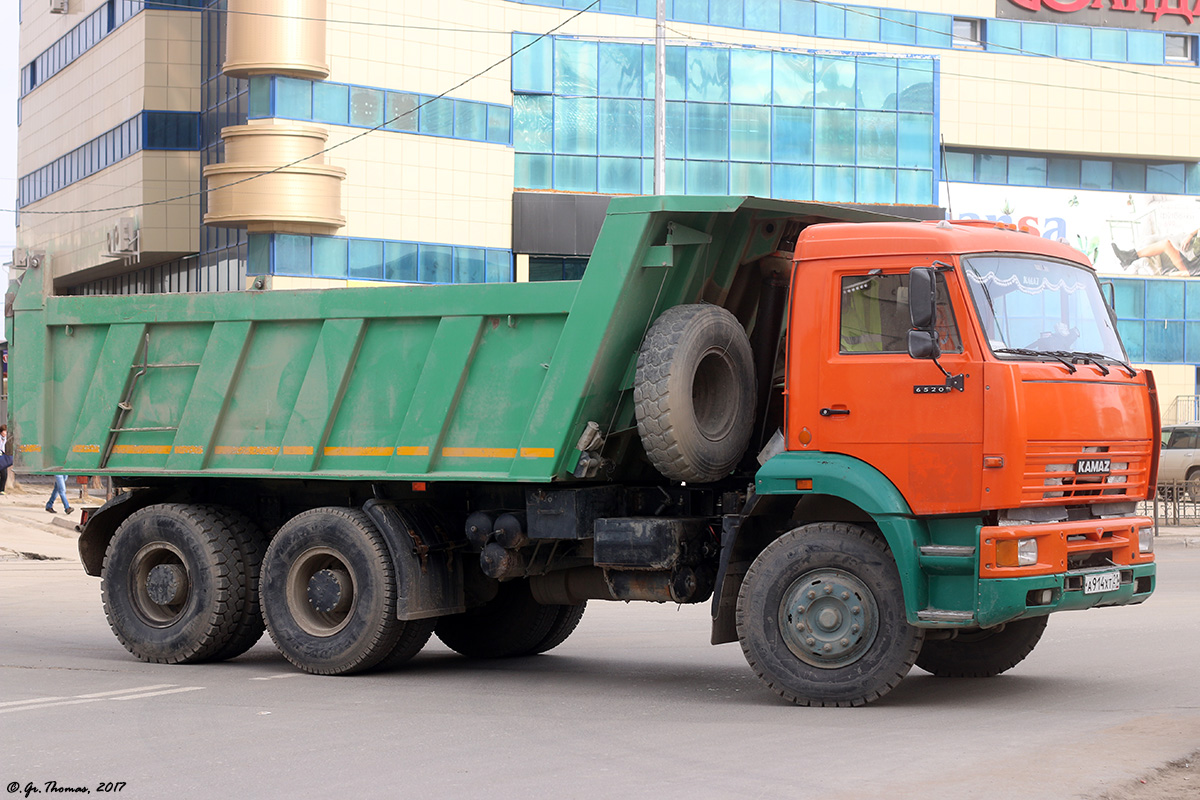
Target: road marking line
[27, 702]
[156, 694]
[280, 675]
[126, 691]
[51, 705]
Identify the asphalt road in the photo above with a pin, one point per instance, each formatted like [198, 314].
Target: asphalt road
[635, 704]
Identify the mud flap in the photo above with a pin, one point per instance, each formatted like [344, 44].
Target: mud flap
[429, 572]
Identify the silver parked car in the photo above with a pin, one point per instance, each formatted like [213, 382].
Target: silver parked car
[1179, 464]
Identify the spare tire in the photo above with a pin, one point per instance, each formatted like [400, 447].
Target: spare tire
[694, 393]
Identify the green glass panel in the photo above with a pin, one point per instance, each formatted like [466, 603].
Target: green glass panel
[469, 265]
[366, 107]
[877, 83]
[834, 139]
[365, 259]
[750, 179]
[750, 76]
[792, 135]
[293, 98]
[708, 74]
[400, 261]
[401, 112]
[620, 70]
[876, 139]
[835, 82]
[750, 133]
[532, 63]
[329, 257]
[833, 184]
[707, 177]
[331, 103]
[575, 125]
[619, 175]
[575, 173]
[533, 171]
[470, 120]
[435, 263]
[293, 254]
[435, 116]
[793, 79]
[533, 123]
[575, 67]
[707, 130]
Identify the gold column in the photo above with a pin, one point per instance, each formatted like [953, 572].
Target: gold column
[276, 37]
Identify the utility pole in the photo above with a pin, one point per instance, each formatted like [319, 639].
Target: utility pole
[660, 99]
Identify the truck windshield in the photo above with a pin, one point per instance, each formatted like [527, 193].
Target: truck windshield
[1029, 306]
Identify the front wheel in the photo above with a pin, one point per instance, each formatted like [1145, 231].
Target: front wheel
[985, 653]
[821, 619]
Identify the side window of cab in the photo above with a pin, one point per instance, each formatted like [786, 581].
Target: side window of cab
[1183, 439]
[875, 318]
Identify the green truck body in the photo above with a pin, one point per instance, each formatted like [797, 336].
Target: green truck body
[480, 460]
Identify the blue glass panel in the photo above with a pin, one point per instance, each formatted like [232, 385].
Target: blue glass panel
[331, 103]
[1164, 299]
[1192, 178]
[676, 58]
[575, 67]
[470, 120]
[707, 177]
[831, 21]
[499, 266]
[620, 127]
[532, 172]
[797, 17]
[707, 130]
[293, 98]
[575, 125]
[1038, 38]
[1108, 44]
[499, 124]
[914, 186]
[329, 257]
[260, 96]
[675, 129]
[436, 116]
[575, 173]
[898, 27]
[435, 263]
[708, 74]
[618, 6]
[1146, 47]
[258, 254]
[400, 261]
[1133, 335]
[1129, 298]
[793, 79]
[1192, 343]
[750, 133]
[991, 168]
[835, 82]
[833, 184]
[1129, 177]
[620, 175]
[1191, 308]
[727, 13]
[792, 136]
[366, 107]
[621, 70]
[1074, 42]
[916, 147]
[674, 176]
[762, 15]
[1095, 174]
[1164, 342]
[933, 30]
[915, 77]
[690, 11]
[533, 66]
[533, 123]
[750, 76]
[1062, 172]
[791, 183]
[1003, 36]
[469, 265]
[1164, 178]
[293, 254]
[875, 186]
[1024, 171]
[862, 23]
[834, 139]
[877, 140]
[877, 83]
[366, 259]
[750, 179]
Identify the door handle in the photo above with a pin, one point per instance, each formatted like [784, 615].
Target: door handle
[835, 412]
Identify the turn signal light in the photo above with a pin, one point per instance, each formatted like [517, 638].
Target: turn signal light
[1016, 553]
[1145, 540]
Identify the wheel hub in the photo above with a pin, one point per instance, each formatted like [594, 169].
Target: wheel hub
[828, 618]
[320, 591]
[159, 584]
[329, 591]
[166, 584]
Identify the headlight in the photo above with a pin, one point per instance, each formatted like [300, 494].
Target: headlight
[1145, 540]
[1016, 553]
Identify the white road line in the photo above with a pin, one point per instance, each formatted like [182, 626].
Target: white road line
[51, 705]
[280, 675]
[26, 702]
[126, 691]
[156, 694]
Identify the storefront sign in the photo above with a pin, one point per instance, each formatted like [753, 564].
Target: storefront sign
[1162, 15]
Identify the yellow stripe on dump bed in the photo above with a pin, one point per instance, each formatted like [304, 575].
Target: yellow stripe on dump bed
[227, 450]
[537, 452]
[142, 449]
[479, 452]
[358, 451]
[412, 451]
[86, 448]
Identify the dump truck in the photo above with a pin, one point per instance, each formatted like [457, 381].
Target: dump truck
[870, 443]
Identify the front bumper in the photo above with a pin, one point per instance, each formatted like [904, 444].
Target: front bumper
[1007, 599]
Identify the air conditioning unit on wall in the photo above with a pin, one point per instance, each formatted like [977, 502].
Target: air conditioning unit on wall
[59, 6]
[123, 240]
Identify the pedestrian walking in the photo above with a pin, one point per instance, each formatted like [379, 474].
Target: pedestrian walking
[5, 459]
[60, 490]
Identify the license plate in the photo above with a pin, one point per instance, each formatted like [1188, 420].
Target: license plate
[1101, 582]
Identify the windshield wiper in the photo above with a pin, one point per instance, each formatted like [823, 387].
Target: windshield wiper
[1096, 358]
[1024, 351]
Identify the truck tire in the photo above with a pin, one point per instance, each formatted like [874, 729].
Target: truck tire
[329, 592]
[511, 624]
[821, 620]
[414, 636]
[564, 625]
[252, 545]
[694, 393]
[173, 584]
[984, 653]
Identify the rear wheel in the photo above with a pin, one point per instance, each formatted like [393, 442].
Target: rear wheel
[511, 624]
[252, 545]
[564, 625]
[329, 592]
[821, 618]
[982, 654]
[174, 584]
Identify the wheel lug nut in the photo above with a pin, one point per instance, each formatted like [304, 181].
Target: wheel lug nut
[810, 641]
[799, 609]
[854, 629]
[845, 642]
[827, 648]
[812, 595]
[828, 589]
[799, 626]
[855, 610]
[845, 595]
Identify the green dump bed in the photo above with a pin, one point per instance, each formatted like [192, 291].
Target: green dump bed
[465, 382]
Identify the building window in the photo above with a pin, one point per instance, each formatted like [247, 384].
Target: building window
[1180, 49]
[967, 33]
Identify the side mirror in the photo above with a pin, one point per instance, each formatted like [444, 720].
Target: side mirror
[923, 344]
[922, 299]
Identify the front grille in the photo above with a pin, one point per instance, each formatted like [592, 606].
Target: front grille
[1050, 473]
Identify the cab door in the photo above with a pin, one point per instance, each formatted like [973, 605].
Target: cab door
[872, 401]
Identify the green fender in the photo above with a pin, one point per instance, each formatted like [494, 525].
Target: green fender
[866, 487]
